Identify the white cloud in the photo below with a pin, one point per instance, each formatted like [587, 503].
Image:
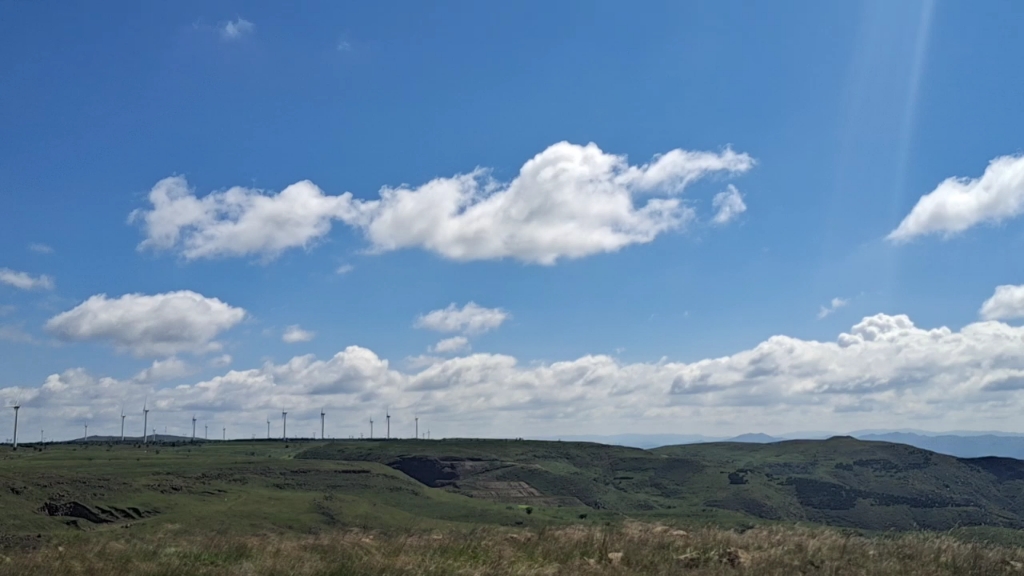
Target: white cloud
[149, 325]
[836, 304]
[470, 319]
[884, 372]
[453, 345]
[167, 369]
[569, 201]
[222, 361]
[24, 280]
[345, 269]
[294, 334]
[344, 46]
[961, 203]
[728, 205]
[40, 248]
[239, 221]
[1007, 303]
[237, 28]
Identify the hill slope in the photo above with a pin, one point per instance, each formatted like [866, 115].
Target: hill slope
[840, 481]
[303, 487]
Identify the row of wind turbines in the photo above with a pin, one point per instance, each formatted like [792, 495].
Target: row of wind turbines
[284, 426]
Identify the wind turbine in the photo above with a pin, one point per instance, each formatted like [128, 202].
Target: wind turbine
[322, 414]
[371, 428]
[387, 418]
[86, 432]
[145, 423]
[122, 424]
[417, 427]
[268, 428]
[16, 407]
[225, 433]
[284, 429]
[206, 431]
[193, 428]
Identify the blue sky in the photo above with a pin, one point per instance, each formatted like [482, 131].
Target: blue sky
[607, 300]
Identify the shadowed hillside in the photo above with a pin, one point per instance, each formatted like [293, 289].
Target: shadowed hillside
[841, 481]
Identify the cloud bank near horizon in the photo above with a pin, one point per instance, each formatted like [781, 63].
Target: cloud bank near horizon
[883, 370]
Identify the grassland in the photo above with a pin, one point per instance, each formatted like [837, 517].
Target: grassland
[626, 549]
[506, 507]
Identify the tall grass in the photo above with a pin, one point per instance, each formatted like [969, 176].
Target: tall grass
[625, 549]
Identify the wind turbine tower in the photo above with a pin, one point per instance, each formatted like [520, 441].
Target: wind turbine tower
[86, 432]
[417, 427]
[387, 418]
[193, 428]
[225, 434]
[145, 424]
[371, 428]
[322, 414]
[16, 408]
[206, 431]
[122, 425]
[284, 424]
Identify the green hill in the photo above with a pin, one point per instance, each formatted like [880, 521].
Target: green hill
[840, 481]
[270, 486]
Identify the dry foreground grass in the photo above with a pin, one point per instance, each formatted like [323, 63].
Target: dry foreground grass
[631, 548]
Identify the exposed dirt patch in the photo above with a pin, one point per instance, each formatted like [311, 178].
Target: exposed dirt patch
[430, 471]
[94, 515]
[74, 510]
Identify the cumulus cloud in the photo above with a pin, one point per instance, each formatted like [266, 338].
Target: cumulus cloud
[961, 203]
[40, 248]
[294, 334]
[149, 325]
[885, 370]
[569, 201]
[24, 280]
[1007, 303]
[834, 305]
[237, 28]
[238, 221]
[344, 269]
[728, 205]
[470, 319]
[167, 369]
[453, 345]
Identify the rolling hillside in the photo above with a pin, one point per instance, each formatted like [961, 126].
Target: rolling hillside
[840, 481]
[248, 486]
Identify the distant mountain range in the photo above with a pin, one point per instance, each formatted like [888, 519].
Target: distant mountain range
[962, 444]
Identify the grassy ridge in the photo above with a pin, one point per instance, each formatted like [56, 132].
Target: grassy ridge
[244, 487]
[840, 482]
[505, 507]
[235, 487]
